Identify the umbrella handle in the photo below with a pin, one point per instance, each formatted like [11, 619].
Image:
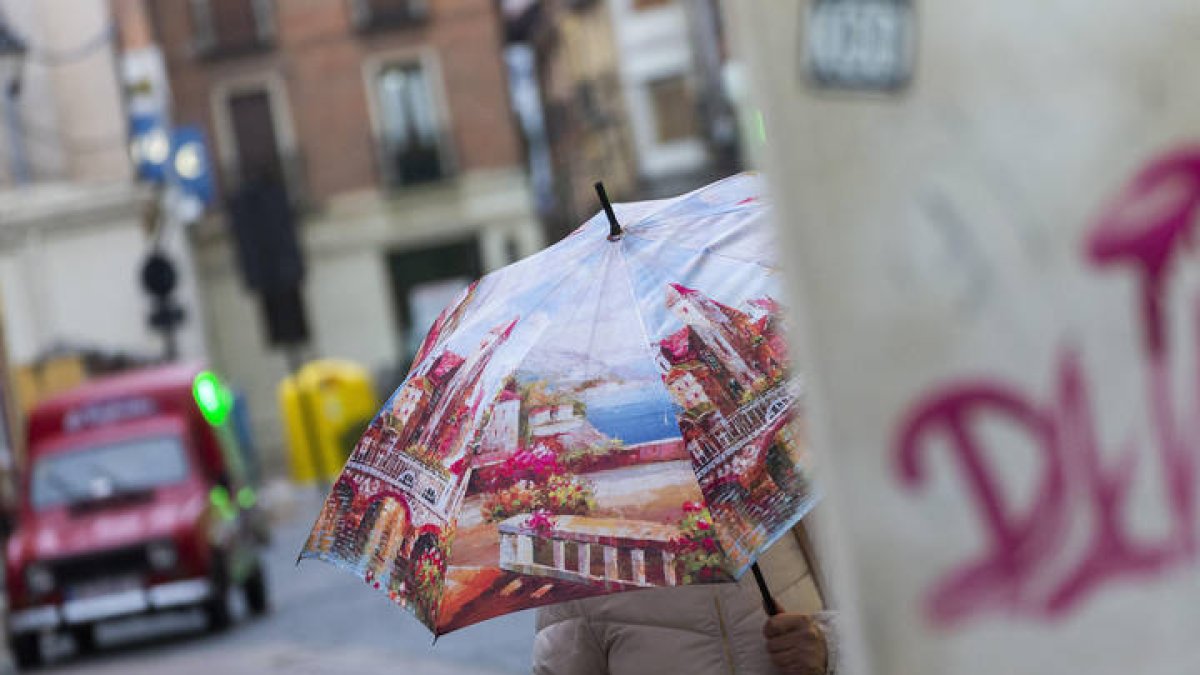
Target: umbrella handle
[769, 604]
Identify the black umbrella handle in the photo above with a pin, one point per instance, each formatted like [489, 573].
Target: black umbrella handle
[769, 605]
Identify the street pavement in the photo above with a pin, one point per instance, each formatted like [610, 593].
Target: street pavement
[323, 620]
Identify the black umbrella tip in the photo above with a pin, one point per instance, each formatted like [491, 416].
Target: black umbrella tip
[614, 227]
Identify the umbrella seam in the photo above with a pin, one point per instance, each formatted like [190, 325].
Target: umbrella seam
[648, 343]
[704, 251]
[657, 216]
[637, 310]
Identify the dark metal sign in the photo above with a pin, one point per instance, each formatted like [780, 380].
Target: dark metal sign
[860, 44]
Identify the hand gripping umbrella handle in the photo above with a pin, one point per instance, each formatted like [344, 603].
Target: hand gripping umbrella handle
[769, 605]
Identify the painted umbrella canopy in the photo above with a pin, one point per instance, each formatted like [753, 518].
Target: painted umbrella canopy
[608, 415]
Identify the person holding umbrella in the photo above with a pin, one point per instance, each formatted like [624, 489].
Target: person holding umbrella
[719, 629]
[615, 413]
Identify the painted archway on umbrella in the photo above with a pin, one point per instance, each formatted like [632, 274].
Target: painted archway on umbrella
[386, 525]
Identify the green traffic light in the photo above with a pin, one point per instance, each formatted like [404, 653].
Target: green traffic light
[219, 498]
[246, 498]
[212, 398]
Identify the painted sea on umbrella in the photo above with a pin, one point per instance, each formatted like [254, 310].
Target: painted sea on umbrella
[601, 417]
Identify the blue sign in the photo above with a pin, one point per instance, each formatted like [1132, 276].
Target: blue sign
[189, 168]
[149, 146]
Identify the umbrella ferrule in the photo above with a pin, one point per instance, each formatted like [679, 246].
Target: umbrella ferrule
[614, 227]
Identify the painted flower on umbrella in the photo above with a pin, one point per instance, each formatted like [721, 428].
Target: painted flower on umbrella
[568, 496]
[427, 573]
[559, 494]
[508, 501]
[696, 548]
[540, 522]
[534, 465]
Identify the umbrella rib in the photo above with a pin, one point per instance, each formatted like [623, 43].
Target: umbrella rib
[703, 251]
[579, 307]
[637, 309]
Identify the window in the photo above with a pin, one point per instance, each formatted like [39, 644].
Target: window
[674, 108]
[106, 471]
[223, 27]
[372, 14]
[425, 280]
[410, 134]
[254, 135]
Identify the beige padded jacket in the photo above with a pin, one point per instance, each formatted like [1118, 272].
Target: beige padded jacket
[693, 630]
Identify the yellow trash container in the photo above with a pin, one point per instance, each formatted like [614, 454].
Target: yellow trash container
[338, 400]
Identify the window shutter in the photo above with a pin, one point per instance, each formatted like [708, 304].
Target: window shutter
[203, 39]
[264, 19]
[418, 10]
[360, 13]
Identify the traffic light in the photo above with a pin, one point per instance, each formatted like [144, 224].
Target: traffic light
[159, 279]
[270, 257]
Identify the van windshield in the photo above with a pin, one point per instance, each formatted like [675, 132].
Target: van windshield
[105, 471]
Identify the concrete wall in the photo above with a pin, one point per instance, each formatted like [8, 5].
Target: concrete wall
[948, 250]
[70, 101]
[69, 262]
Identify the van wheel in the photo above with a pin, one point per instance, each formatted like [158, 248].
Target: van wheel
[27, 652]
[84, 638]
[256, 591]
[217, 609]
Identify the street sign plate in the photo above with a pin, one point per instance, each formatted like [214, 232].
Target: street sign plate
[860, 44]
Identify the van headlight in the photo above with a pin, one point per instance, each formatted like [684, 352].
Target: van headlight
[162, 556]
[39, 579]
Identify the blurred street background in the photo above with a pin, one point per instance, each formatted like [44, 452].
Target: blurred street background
[289, 191]
[322, 621]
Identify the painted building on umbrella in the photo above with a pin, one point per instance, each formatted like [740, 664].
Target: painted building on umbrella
[408, 405]
[727, 369]
[459, 399]
[501, 435]
[723, 332]
[396, 498]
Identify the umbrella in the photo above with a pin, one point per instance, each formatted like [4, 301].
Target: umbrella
[613, 413]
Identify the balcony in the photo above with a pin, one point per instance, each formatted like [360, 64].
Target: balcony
[372, 15]
[227, 28]
[404, 164]
[290, 169]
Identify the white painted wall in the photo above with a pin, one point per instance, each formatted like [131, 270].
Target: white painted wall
[354, 317]
[72, 111]
[68, 276]
[654, 44]
[942, 247]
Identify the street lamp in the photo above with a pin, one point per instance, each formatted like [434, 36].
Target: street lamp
[12, 59]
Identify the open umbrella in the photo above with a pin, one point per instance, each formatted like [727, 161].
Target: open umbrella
[613, 413]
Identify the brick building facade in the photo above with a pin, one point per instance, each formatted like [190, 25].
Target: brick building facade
[390, 123]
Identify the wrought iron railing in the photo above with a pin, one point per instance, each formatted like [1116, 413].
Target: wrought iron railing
[222, 28]
[413, 162]
[370, 15]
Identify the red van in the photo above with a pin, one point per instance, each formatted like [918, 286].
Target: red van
[135, 499]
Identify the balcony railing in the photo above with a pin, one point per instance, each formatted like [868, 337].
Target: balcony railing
[223, 28]
[291, 171]
[411, 163]
[615, 554]
[368, 15]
